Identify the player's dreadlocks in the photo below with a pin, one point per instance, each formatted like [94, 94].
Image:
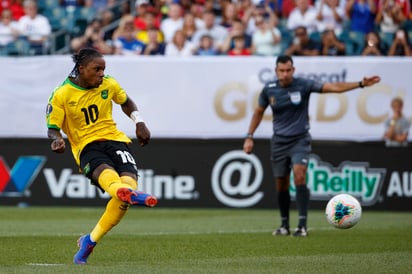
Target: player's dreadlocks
[84, 56]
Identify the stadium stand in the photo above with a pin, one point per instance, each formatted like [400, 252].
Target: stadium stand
[69, 22]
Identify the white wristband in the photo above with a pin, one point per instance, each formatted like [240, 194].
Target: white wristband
[135, 116]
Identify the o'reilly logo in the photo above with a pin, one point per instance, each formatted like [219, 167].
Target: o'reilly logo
[355, 178]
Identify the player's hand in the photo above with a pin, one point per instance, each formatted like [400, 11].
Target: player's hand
[248, 145]
[369, 81]
[142, 134]
[58, 145]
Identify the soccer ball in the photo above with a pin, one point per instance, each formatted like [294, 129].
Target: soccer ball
[343, 211]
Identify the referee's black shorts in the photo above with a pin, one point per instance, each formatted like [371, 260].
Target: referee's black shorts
[287, 151]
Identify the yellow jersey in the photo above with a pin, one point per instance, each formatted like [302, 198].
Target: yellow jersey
[85, 115]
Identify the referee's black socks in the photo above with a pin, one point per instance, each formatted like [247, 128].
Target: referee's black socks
[284, 204]
[302, 202]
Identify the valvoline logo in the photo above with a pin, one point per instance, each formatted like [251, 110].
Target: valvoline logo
[15, 182]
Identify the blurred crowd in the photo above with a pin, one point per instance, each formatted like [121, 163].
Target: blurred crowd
[213, 27]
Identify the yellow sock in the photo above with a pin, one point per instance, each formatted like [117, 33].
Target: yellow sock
[130, 181]
[110, 181]
[115, 210]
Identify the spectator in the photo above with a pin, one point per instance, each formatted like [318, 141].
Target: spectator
[107, 18]
[16, 7]
[197, 8]
[373, 45]
[397, 127]
[275, 5]
[189, 26]
[229, 15]
[125, 42]
[239, 48]
[172, 23]
[93, 37]
[287, 8]
[206, 47]
[401, 45]
[217, 32]
[237, 29]
[179, 46]
[331, 45]
[243, 7]
[71, 3]
[390, 16]
[150, 23]
[8, 28]
[97, 5]
[404, 6]
[153, 46]
[330, 16]
[143, 7]
[361, 15]
[265, 39]
[302, 45]
[260, 9]
[35, 28]
[304, 14]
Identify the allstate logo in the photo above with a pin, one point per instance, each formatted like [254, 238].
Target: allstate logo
[236, 177]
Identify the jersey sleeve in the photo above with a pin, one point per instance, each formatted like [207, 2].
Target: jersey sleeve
[55, 111]
[263, 100]
[314, 86]
[119, 94]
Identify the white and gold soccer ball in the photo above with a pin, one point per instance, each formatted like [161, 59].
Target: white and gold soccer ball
[343, 211]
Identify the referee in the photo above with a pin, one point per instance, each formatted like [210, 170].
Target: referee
[288, 98]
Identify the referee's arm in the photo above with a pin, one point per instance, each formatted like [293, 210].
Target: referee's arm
[340, 87]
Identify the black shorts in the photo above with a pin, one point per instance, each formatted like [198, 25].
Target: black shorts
[289, 150]
[115, 154]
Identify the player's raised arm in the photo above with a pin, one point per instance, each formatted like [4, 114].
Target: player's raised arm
[340, 87]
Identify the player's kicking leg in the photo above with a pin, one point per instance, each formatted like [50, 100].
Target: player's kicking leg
[134, 197]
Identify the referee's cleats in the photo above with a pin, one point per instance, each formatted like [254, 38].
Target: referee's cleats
[300, 232]
[85, 249]
[281, 231]
[136, 197]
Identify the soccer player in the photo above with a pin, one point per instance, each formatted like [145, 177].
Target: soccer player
[81, 107]
[288, 98]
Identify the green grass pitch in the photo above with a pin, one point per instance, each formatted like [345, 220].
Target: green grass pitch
[159, 240]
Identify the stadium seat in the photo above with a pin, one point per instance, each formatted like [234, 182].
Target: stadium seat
[407, 25]
[57, 17]
[287, 38]
[386, 39]
[316, 36]
[79, 27]
[354, 42]
[85, 13]
[21, 47]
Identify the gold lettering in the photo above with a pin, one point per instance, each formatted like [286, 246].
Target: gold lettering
[239, 105]
[364, 97]
[338, 113]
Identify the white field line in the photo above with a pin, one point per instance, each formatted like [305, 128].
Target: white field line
[43, 264]
[163, 233]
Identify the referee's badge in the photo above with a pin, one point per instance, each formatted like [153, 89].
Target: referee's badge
[295, 97]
